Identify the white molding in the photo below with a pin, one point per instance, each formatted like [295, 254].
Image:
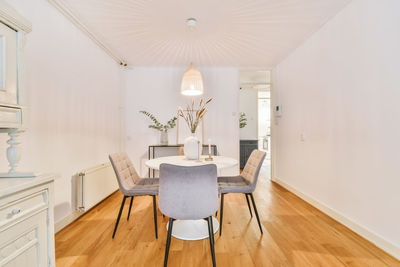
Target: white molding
[374, 238]
[11, 17]
[58, 226]
[67, 12]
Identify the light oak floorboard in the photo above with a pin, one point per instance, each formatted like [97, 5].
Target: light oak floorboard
[295, 234]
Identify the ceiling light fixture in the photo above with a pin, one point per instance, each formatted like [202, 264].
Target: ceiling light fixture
[192, 82]
[191, 22]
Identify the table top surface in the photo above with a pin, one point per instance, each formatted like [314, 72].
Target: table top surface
[221, 162]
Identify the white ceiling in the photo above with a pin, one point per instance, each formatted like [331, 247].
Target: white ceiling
[242, 33]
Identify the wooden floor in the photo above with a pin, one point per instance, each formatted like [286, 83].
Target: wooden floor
[295, 234]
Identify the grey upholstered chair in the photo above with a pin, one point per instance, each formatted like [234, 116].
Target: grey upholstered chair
[130, 184]
[245, 183]
[188, 193]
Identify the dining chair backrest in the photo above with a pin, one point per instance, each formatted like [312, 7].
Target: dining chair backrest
[126, 174]
[252, 168]
[188, 193]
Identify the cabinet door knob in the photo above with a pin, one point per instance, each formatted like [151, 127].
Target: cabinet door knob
[15, 211]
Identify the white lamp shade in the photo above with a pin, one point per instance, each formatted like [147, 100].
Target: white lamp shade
[192, 82]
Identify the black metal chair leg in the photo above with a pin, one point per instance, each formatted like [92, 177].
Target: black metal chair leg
[155, 215]
[248, 205]
[216, 213]
[119, 216]
[211, 235]
[170, 223]
[255, 210]
[221, 213]
[130, 207]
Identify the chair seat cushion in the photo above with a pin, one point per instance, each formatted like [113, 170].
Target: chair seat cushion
[234, 184]
[145, 186]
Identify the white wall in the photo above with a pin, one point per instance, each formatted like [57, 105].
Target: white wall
[73, 94]
[157, 90]
[341, 90]
[248, 104]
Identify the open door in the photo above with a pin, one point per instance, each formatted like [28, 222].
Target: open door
[255, 114]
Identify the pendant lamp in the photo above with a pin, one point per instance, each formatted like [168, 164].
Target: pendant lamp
[192, 82]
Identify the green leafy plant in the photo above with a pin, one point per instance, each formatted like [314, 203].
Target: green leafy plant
[192, 115]
[159, 126]
[242, 120]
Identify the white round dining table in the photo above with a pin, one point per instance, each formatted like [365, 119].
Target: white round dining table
[192, 229]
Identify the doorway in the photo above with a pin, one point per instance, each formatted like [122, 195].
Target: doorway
[255, 114]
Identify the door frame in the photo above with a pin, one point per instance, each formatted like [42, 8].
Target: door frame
[272, 119]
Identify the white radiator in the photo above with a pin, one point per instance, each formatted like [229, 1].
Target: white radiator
[95, 184]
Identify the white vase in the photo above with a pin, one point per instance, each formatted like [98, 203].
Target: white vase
[192, 147]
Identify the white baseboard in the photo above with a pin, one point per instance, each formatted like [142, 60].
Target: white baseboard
[58, 226]
[377, 240]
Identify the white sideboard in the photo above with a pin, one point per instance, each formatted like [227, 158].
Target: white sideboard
[27, 221]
